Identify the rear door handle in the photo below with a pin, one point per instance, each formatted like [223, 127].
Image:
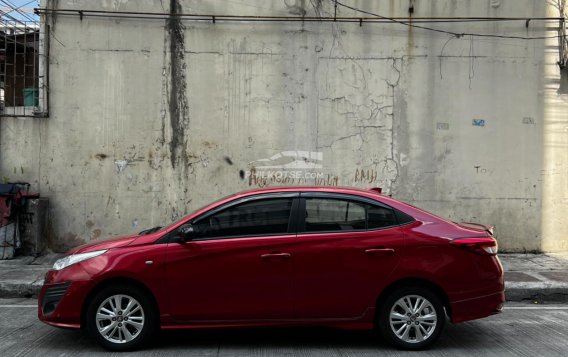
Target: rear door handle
[275, 255]
[379, 251]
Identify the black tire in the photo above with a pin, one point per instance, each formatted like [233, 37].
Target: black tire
[141, 321]
[411, 332]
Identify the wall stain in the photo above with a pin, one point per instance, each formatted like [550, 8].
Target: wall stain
[96, 234]
[296, 7]
[68, 241]
[52, 18]
[178, 106]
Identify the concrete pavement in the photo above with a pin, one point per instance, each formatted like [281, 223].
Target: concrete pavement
[528, 277]
[22, 277]
[536, 277]
[523, 329]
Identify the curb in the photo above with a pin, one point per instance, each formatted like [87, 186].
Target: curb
[19, 290]
[537, 292]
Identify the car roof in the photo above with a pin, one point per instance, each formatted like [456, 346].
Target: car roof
[372, 192]
[336, 189]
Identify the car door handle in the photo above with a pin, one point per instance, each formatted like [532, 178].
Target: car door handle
[275, 255]
[378, 251]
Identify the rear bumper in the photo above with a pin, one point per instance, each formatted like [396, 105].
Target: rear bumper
[477, 308]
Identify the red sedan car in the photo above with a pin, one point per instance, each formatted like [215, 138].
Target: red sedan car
[340, 257]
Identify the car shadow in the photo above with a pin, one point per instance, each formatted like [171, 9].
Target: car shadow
[276, 341]
[310, 337]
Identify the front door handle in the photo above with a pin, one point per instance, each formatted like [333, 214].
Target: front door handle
[379, 251]
[275, 255]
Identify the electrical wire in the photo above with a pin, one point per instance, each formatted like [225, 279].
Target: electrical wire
[12, 18]
[17, 9]
[456, 34]
[375, 18]
[209, 17]
[7, 14]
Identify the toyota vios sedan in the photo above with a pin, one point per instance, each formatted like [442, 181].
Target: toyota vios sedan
[290, 256]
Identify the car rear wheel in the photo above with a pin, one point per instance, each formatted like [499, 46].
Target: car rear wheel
[412, 318]
[121, 318]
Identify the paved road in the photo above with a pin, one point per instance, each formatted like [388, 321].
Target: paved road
[522, 330]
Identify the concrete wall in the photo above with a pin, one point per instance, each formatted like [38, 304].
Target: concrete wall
[555, 146]
[150, 119]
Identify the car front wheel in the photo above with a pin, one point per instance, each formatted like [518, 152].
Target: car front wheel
[121, 318]
[412, 318]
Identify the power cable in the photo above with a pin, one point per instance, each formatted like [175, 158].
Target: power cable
[256, 18]
[17, 9]
[456, 34]
[209, 17]
[12, 18]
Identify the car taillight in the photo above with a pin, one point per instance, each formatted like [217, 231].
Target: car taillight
[483, 246]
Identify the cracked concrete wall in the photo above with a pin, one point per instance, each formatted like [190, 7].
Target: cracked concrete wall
[150, 119]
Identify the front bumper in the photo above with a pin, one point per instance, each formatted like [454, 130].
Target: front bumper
[61, 301]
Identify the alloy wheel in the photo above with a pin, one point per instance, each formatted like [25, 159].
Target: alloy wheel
[413, 319]
[120, 318]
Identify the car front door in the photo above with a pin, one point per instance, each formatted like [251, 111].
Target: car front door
[347, 249]
[238, 266]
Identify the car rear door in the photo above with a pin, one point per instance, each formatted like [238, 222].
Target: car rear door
[239, 265]
[347, 248]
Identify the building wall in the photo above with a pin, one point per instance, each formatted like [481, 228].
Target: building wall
[150, 119]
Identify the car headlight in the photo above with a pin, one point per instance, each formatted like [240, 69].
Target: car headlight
[76, 258]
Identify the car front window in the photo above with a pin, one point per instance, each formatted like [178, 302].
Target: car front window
[259, 217]
[180, 220]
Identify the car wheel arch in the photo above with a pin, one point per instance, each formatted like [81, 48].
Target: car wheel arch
[412, 282]
[118, 281]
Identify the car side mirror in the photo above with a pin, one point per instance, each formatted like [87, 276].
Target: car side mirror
[186, 232]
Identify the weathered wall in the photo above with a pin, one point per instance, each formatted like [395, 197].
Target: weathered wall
[555, 157]
[150, 119]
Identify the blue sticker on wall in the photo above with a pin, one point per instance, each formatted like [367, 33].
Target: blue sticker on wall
[478, 122]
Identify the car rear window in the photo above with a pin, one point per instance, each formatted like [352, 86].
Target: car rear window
[380, 217]
[334, 215]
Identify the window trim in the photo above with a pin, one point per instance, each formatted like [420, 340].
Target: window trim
[344, 196]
